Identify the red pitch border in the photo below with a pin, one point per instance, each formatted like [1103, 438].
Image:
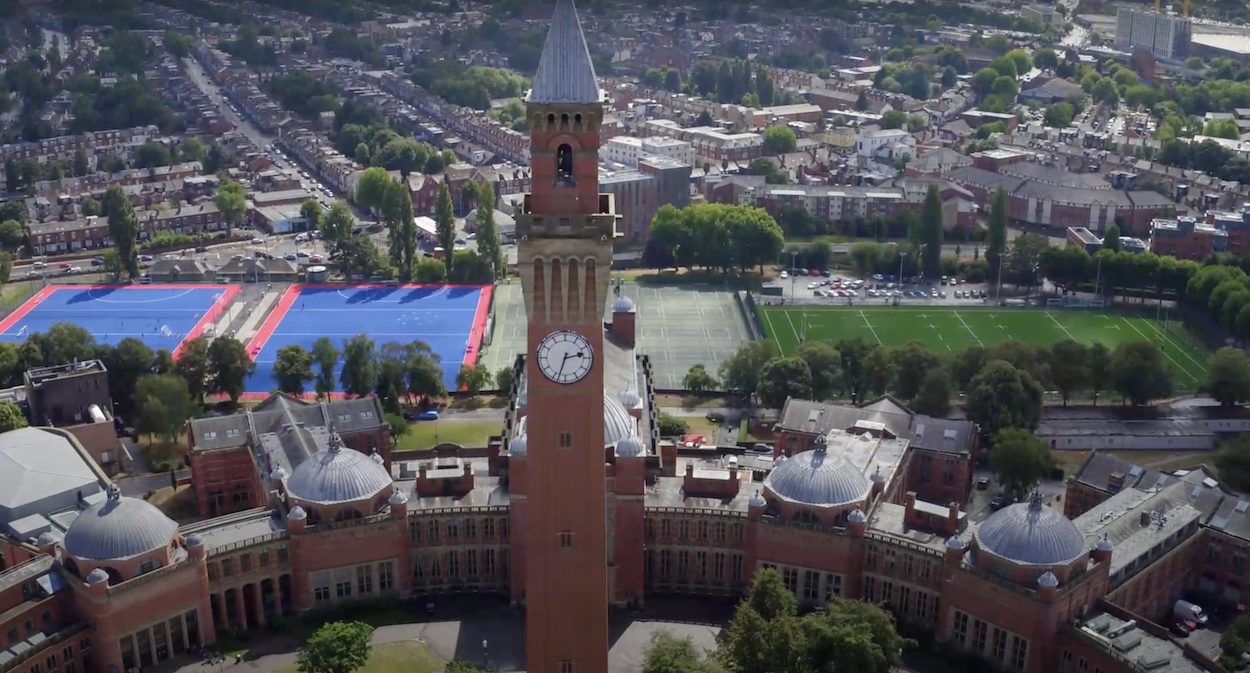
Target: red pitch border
[267, 328]
[214, 311]
[26, 307]
[479, 326]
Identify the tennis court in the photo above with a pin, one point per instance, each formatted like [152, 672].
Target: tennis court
[678, 327]
[449, 318]
[949, 329]
[161, 316]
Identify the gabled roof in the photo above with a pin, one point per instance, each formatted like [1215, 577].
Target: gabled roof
[565, 72]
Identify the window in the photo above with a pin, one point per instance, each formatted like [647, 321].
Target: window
[907, 564]
[364, 580]
[666, 558]
[566, 666]
[418, 568]
[790, 577]
[566, 540]
[979, 632]
[262, 559]
[232, 432]
[470, 529]
[700, 562]
[870, 588]
[811, 584]
[1000, 644]
[503, 530]
[925, 569]
[227, 567]
[453, 564]
[720, 531]
[833, 586]
[683, 564]
[649, 526]
[889, 559]
[343, 588]
[453, 530]
[870, 558]
[703, 530]
[564, 165]
[488, 529]
[321, 594]
[1019, 652]
[666, 529]
[245, 563]
[961, 627]
[718, 566]
[566, 440]
[736, 566]
[386, 576]
[470, 562]
[488, 562]
[683, 529]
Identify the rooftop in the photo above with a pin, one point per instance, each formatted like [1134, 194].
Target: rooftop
[38, 465]
[1139, 649]
[566, 73]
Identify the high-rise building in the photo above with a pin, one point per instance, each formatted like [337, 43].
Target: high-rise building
[1163, 35]
[565, 231]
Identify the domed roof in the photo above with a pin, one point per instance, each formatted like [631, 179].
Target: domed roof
[518, 446]
[398, 498]
[617, 423]
[629, 398]
[630, 447]
[97, 575]
[195, 540]
[1105, 543]
[955, 542]
[338, 474]
[278, 474]
[623, 304]
[817, 478]
[118, 528]
[757, 500]
[45, 538]
[857, 516]
[1048, 580]
[1031, 533]
[297, 513]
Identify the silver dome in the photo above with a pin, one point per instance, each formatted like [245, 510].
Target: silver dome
[1048, 580]
[278, 474]
[45, 538]
[757, 500]
[398, 498]
[630, 447]
[1031, 533]
[118, 528]
[1105, 543]
[617, 423]
[629, 398]
[817, 478]
[338, 474]
[623, 304]
[518, 445]
[297, 513]
[195, 540]
[955, 542]
[96, 576]
[857, 516]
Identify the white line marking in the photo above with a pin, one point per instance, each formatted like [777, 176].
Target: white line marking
[793, 331]
[1165, 353]
[969, 328]
[1060, 326]
[870, 328]
[1168, 338]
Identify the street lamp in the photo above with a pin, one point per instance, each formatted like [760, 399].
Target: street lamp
[793, 266]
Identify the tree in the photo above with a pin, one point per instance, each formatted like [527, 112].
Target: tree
[1139, 372]
[81, 167]
[126, 362]
[779, 139]
[230, 364]
[429, 270]
[911, 363]
[13, 234]
[825, 364]
[11, 417]
[504, 378]
[164, 405]
[337, 226]
[697, 380]
[371, 188]
[672, 426]
[232, 202]
[1228, 377]
[740, 373]
[933, 398]
[335, 647]
[1019, 460]
[65, 342]
[1233, 462]
[487, 234]
[1111, 238]
[996, 239]
[893, 119]
[152, 154]
[1069, 368]
[667, 653]
[310, 210]
[113, 265]
[1002, 396]
[445, 225]
[194, 367]
[359, 373]
[472, 379]
[1098, 362]
[397, 213]
[931, 233]
[292, 369]
[1059, 115]
[123, 228]
[326, 356]
[783, 378]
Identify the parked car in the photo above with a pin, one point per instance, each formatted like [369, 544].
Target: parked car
[430, 415]
[201, 248]
[716, 417]
[290, 257]
[983, 483]
[97, 261]
[258, 241]
[999, 501]
[316, 259]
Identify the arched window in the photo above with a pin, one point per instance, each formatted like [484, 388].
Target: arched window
[564, 165]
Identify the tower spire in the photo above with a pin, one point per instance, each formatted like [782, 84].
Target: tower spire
[566, 73]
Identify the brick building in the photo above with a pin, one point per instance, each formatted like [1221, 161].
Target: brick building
[1186, 238]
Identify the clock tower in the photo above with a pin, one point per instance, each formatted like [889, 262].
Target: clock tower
[565, 230]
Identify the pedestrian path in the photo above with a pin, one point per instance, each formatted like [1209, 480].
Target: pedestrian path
[256, 314]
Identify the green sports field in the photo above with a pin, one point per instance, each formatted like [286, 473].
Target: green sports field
[954, 329]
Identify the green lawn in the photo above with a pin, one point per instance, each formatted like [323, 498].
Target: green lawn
[953, 329]
[400, 657]
[424, 435]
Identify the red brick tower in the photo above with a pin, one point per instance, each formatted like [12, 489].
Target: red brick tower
[565, 233]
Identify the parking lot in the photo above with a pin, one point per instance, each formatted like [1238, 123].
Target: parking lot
[842, 289]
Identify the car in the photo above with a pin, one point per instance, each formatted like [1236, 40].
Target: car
[942, 294]
[877, 276]
[999, 501]
[983, 483]
[316, 259]
[258, 241]
[824, 272]
[715, 417]
[431, 415]
[933, 294]
[1180, 629]
[290, 257]
[461, 241]
[761, 448]
[97, 261]
[301, 253]
[784, 274]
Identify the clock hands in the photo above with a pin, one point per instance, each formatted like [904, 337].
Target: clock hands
[565, 361]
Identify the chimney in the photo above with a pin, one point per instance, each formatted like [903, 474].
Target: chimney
[952, 517]
[909, 505]
[1115, 481]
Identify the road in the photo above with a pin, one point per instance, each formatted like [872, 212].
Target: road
[138, 486]
[210, 89]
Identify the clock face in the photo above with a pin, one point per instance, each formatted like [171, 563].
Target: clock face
[565, 357]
